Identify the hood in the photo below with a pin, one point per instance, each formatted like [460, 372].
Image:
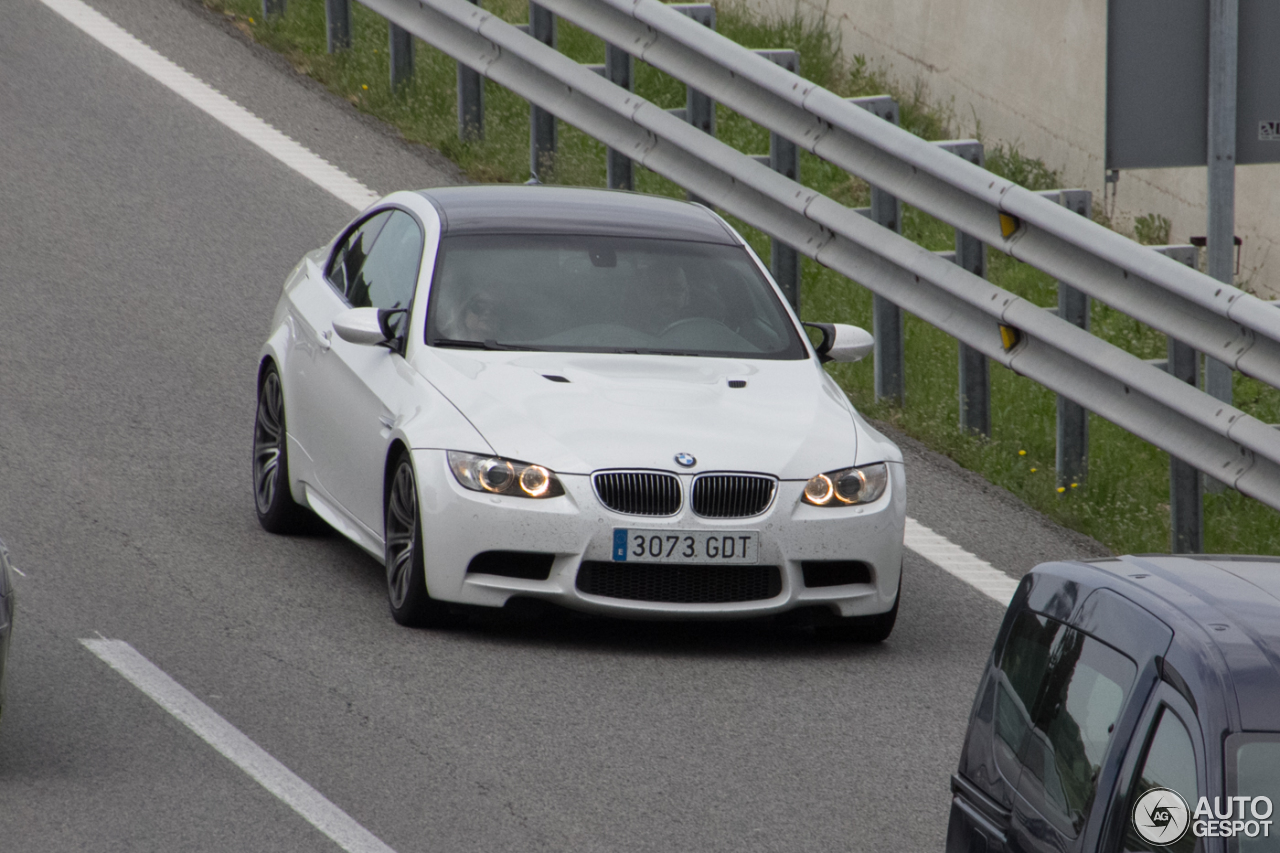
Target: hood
[639, 411]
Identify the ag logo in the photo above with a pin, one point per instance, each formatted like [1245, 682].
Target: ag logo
[685, 460]
[1161, 816]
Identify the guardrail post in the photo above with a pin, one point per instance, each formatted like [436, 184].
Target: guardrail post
[975, 375]
[886, 318]
[617, 70]
[1186, 483]
[1073, 420]
[272, 7]
[337, 16]
[784, 158]
[1186, 502]
[699, 109]
[400, 43]
[542, 124]
[470, 102]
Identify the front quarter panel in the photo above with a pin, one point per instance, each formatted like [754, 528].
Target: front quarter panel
[431, 421]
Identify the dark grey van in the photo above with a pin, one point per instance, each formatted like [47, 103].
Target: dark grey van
[1128, 705]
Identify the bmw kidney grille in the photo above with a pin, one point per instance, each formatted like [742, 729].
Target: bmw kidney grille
[638, 492]
[655, 493]
[732, 495]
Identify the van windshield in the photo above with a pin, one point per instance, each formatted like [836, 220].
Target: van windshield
[1253, 764]
[606, 294]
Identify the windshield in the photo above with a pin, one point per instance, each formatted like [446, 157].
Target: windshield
[606, 294]
[1253, 779]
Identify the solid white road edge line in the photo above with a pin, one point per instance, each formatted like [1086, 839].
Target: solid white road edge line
[931, 546]
[236, 747]
[954, 560]
[237, 118]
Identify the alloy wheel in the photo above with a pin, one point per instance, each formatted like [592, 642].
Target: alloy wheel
[268, 441]
[402, 534]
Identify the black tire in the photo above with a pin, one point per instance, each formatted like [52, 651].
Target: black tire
[411, 604]
[863, 629]
[277, 511]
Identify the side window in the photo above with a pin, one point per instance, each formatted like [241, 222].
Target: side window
[1061, 695]
[390, 272]
[1170, 762]
[350, 256]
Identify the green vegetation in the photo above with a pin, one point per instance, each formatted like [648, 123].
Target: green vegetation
[1152, 229]
[1124, 503]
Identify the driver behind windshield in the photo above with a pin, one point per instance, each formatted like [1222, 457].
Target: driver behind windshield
[571, 293]
[663, 295]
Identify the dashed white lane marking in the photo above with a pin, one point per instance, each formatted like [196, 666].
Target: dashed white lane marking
[235, 746]
[953, 559]
[237, 118]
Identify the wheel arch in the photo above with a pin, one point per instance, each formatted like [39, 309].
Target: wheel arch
[396, 449]
[267, 362]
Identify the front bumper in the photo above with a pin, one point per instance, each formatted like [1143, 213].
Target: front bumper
[458, 524]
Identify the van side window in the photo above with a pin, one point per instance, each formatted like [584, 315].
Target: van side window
[1170, 762]
[1061, 694]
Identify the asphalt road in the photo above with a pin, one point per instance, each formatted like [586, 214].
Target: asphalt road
[142, 247]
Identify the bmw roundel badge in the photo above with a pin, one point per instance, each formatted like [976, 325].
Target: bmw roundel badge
[686, 460]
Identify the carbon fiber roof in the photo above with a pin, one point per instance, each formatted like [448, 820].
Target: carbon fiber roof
[521, 209]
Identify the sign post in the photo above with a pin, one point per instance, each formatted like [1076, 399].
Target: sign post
[1194, 83]
[1224, 42]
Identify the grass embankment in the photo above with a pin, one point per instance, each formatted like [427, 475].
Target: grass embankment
[1124, 502]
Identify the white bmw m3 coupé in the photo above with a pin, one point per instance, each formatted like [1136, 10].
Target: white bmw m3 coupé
[593, 398]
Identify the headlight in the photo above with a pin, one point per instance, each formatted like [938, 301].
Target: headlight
[500, 476]
[847, 486]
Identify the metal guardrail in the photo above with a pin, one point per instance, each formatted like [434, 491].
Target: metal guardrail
[1216, 319]
[1240, 329]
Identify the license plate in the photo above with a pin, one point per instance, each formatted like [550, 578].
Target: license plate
[685, 546]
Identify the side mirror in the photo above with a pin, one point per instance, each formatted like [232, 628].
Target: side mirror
[369, 326]
[841, 342]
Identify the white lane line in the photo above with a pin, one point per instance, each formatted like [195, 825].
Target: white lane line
[920, 539]
[237, 118]
[953, 559]
[242, 752]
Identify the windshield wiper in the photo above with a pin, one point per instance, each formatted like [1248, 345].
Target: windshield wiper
[644, 351]
[487, 344]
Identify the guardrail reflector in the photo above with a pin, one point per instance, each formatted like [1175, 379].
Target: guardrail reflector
[1009, 225]
[1009, 336]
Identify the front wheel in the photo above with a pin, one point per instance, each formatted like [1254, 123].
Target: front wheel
[411, 603]
[277, 510]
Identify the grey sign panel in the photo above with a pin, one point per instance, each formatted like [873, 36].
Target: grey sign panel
[1258, 83]
[1158, 83]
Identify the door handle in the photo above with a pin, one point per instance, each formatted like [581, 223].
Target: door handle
[326, 339]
